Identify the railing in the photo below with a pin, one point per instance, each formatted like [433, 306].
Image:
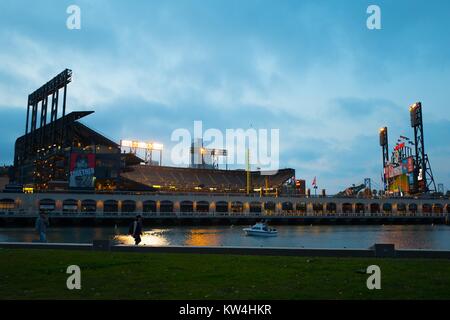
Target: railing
[210, 214]
[240, 194]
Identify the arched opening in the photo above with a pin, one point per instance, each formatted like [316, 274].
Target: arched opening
[331, 207]
[202, 206]
[426, 208]
[128, 206]
[47, 205]
[186, 206]
[374, 208]
[221, 206]
[70, 206]
[237, 206]
[149, 206]
[317, 207]
[301, 207]
[7, 204]
[412, 208]
[360, 208]
[166, 206]
[448, 207]
[347, 208]
[255, 207]
[88, 205]
[110, 206]
[269, 207]
[401, 208]
[438, 208]
[387, 208]
[287, 207]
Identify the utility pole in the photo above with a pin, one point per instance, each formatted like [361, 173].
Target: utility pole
[248, 170]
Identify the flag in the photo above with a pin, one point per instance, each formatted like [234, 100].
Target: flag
[314, 182]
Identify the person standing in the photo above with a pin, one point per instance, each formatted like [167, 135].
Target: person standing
[41, 226]
[136, 229]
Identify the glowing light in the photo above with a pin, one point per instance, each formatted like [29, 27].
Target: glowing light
[157, 146]
[141, 145]
[203, 237]
[150, 238]
[413, 106]
[28, 190]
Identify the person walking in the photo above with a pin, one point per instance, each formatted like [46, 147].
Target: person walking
[136, 229]
[41, 225]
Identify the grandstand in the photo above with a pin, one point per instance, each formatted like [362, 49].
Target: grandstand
[189, 179]
[63, 154]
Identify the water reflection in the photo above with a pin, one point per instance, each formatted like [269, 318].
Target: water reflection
[154, 237]
[419, 237]
[203, 237]
[411, 237]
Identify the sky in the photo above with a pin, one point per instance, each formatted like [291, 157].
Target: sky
[311, 69]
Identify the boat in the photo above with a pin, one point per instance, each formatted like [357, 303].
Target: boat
[261, 229]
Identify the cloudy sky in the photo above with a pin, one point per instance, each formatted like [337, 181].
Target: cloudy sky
[309, 68]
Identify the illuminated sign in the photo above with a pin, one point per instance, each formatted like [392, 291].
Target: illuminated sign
[390, 171]
[410, 165]
[28, 190]
[82, 169]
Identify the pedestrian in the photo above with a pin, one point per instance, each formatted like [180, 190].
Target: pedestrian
[136, 229]
[41, 226]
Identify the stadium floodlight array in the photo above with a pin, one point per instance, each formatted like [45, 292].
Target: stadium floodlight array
[134, 145]
[141, 145]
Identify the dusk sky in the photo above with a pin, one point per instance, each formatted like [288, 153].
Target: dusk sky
[309, 68]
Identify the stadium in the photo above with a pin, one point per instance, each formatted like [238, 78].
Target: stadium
[63, 154]
[72, 171]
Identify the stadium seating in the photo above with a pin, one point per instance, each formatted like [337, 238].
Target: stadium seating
[201, 179]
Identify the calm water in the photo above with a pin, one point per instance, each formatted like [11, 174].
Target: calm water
[403, 236]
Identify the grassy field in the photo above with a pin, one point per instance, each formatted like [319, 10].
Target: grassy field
[41, 274]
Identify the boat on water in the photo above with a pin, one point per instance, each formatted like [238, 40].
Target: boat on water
[261, 229]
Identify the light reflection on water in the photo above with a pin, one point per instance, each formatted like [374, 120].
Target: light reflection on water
[154, 237]
[403, 236]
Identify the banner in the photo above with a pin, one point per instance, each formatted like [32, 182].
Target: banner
[82, 169]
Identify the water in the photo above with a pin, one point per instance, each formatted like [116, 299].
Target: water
[403, 236]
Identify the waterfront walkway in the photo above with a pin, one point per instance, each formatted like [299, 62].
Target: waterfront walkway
[376, 251]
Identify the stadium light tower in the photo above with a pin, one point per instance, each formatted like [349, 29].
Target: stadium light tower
[134, 146]
[422, 173]
[385, 150]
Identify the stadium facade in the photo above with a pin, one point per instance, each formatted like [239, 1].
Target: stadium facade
[70, 170]
[63, 154]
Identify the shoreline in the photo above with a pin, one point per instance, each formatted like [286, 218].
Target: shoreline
[378, 250]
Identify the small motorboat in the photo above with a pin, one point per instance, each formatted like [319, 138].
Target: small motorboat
[261, 229]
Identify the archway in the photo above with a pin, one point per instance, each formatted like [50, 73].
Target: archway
[110, 206]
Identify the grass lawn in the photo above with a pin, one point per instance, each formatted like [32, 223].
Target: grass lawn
[41, 274]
